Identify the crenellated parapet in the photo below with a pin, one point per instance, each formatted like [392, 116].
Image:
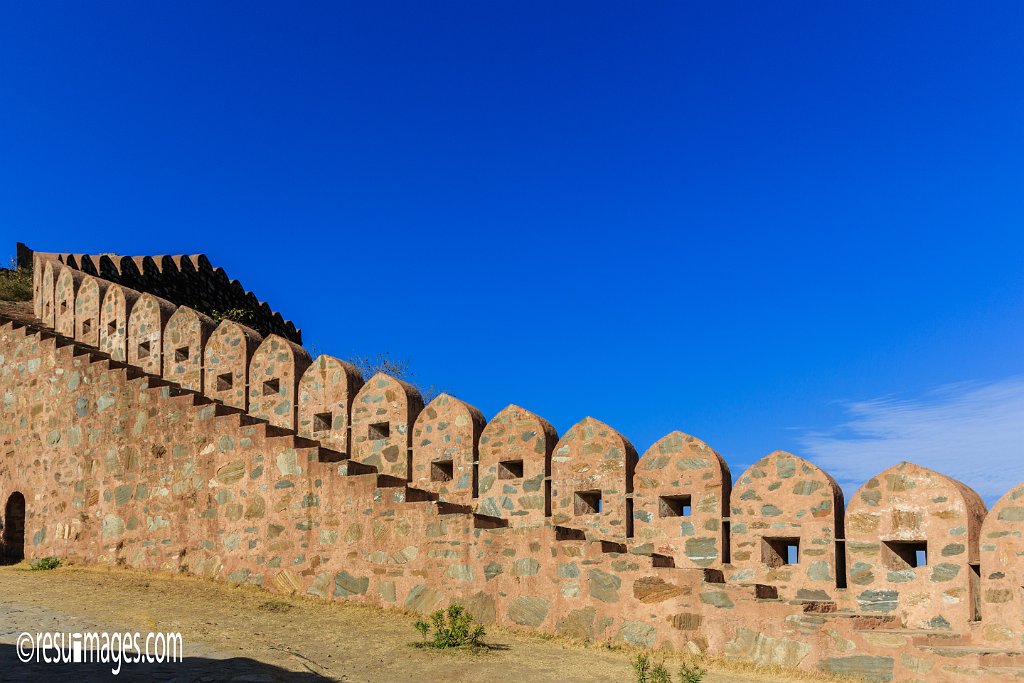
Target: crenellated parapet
[185, 339]
[146, 332]
[185, 280]
[912, 547]
[1001, 569]
[787, 515]
[591, 479]
[515, 467]
[115, 312]
[326, 391]
[274, 374]
[444, 449]
[226, 359]
[383, 413]
[268, 467]
[681, 501]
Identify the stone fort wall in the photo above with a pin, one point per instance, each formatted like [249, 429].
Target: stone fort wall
[154, 438]
[184, 280]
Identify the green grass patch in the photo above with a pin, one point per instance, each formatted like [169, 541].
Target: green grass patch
[44, 563]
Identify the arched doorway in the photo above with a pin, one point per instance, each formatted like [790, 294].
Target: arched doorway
[12, 541]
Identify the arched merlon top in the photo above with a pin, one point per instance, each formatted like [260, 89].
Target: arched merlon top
[908, 502]
[515, 457]
[326, 391]
[185, 280]
[145, 332]
[681, 493]
[779, 473]
[226, 358]
[64, 294]
[274, 373]
[1001, 552]
[88, 305]
[383, 413]
[786, 514]
[678, 460]
[591, 476]
[911, 535]
[42, 263]
[444, 448]
[115, 311]
[185, 337]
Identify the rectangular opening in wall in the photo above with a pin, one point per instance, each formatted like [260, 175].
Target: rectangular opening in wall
[442, 470]
[379, 430]
[510, 469]
[271, 387]
[547, 497]
[975, 592]
[87, 326]
[587, 502]
[144, 349]
[225, 381]
[899, 555]
[181, 354]
[63, 307]
[840, 564]
[780, 551]
[322, 422]
[674, 506]
[112, 328]
[726, 541]
[629, 517]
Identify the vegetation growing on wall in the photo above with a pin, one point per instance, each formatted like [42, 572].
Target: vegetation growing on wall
[15, 283]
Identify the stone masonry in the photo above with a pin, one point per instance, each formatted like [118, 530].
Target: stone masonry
[136, 431]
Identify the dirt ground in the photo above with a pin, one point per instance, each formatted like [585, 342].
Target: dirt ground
[247, 634]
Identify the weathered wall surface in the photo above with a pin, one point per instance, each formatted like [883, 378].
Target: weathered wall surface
[274, 374]
[786, 516]
[515, 467]
[903, 517]
[326, 391]
[383, 413]
[682, 501]
[444, 449]
[1002, 564]
[575, 536]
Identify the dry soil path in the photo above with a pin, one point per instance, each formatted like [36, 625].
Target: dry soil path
[246, 634]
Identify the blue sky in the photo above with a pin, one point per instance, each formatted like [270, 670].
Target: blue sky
[795, 226]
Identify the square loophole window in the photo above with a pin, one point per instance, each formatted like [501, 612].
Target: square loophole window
[144, 349]
[225, 381]
[181, 354]
[87, 326]
[587, 503]
[111, 328]
[379, 430]
[271, 387]
[778, 552]
[904, 554]
[510, 469]
[322, 422]
[674, 506]
[442, 470]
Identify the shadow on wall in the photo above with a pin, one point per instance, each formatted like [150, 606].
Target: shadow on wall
[190, 669]
[12, 536]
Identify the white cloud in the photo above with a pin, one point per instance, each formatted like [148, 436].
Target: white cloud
[973, 432]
